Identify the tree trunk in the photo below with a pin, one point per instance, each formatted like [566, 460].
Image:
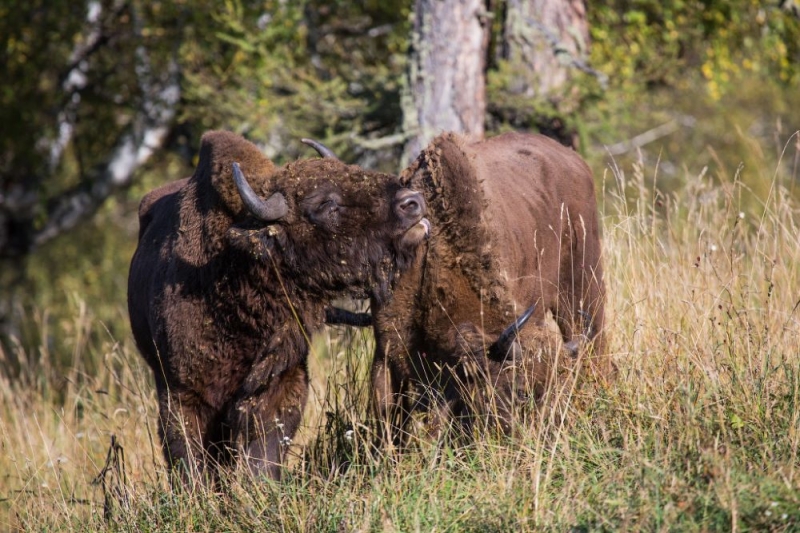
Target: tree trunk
[446, 75]
[543, 40]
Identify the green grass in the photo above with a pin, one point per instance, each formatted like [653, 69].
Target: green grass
[699, 433]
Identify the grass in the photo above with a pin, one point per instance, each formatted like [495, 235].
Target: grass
[699, 433]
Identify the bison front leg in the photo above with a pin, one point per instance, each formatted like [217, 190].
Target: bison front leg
[387, 402]
[266, 419]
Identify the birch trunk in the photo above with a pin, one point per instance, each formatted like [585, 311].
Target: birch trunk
[446, 75]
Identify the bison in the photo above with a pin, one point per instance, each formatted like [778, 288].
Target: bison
[230, 277]
[514, 227]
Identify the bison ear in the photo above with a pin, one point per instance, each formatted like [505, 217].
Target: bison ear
[257, 242]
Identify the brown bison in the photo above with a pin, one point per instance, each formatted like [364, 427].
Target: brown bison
[230, 278]
[515, 232]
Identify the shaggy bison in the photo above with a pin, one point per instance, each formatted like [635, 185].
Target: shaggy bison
[232, 273]
[515, 232]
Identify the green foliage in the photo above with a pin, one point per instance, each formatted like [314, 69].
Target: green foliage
[279, 71]
[718, 79]
[727, 72]
[44, 43]
[273, 70]
[37, 40]
[661, 43]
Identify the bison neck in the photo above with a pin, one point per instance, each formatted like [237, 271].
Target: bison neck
[235, 311]
[241, 293]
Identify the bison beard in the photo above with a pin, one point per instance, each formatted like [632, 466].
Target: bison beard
[515, 224]
[233, 271]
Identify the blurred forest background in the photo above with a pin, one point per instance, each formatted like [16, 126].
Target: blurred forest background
[103, 100]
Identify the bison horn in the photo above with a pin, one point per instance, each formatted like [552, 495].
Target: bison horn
[588, 331]
[343, 317]
[323, 150]
[269, 210]
[503, 343]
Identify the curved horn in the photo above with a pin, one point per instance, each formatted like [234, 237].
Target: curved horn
[338, 316]
[588, 331]
[323, 150]
[267, 210]
[501, 346]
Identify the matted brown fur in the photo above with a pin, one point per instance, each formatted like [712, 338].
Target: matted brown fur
[514, 223]
[221, 304]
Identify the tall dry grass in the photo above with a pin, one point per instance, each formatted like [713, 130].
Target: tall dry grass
[699, 433]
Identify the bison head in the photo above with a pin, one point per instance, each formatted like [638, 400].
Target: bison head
[334, 228]
[470, 341]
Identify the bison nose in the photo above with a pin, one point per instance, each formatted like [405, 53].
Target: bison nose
[409, 204]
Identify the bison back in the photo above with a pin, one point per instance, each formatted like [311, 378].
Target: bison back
[542, 215]
[158, 220]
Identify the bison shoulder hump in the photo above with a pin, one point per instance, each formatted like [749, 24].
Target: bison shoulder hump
[218, 151]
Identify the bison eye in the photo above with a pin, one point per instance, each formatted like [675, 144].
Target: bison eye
[326, 213]
[328, 205]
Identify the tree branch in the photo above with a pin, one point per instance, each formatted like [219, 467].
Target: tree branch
[383, 143]
[147, 134]
[117, 172]
[651, 135]
[76, 77]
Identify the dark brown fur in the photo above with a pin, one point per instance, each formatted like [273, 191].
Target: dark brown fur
[514, 223]
[221, 304]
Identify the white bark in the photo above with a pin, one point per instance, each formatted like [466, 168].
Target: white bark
[147, 135]
[75, 81]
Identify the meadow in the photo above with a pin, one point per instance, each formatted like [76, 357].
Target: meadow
[699, 432]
